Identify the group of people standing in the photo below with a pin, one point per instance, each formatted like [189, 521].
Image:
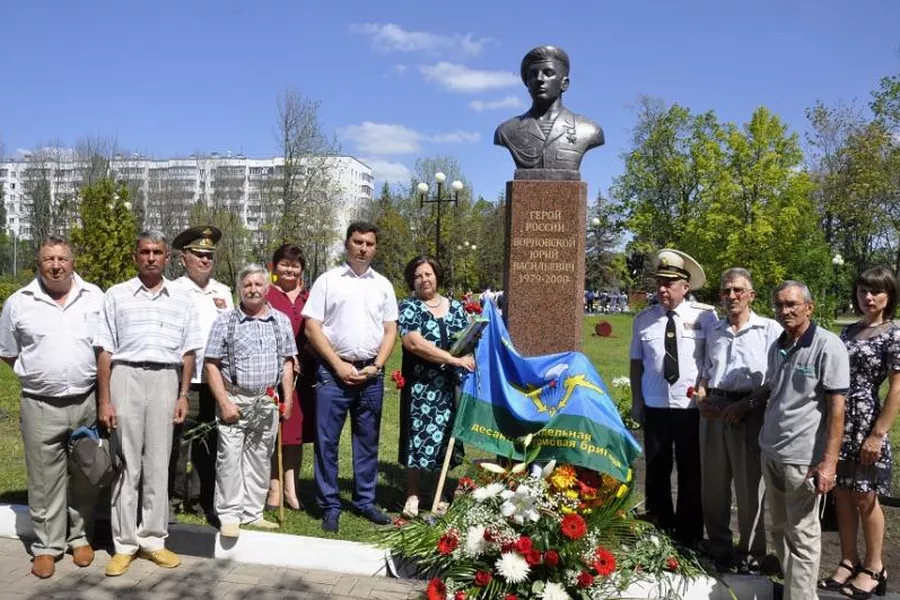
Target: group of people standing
[782, 409]
[152, 357]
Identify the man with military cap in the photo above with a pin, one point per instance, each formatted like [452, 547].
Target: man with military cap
[198, 247]
[667, 350]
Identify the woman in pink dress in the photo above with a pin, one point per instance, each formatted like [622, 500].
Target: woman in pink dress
[288, 296]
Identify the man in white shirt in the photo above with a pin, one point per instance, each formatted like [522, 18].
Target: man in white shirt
[667, 349]
[211, 298]
[737, 349]
[351, 321]
[148, 336]
[46, 335]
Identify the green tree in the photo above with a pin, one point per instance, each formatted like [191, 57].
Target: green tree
[604, 266]
[660, 188]
[104, 237]
[756, 207]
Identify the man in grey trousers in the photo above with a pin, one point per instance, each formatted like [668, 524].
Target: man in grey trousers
[147, 342]
[46, 336]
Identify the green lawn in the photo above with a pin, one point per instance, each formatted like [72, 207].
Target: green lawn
[609, 355]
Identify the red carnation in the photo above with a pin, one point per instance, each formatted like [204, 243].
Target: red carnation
[585, 579]
[398, 378]
[523, 545]
[533, 558]
[551, 558]
[510, 597]
[573, 526]
[465, 484]
[460, 595]
[672, 563]
[482, 578]
[604, 561]
[510, 547]
[488, 535]
[447, 543]
[270, 392]
[690, 392]
[436, 590]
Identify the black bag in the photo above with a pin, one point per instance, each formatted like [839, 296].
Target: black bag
[98, 458]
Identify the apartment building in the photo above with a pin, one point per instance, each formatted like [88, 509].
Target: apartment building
[170, 187]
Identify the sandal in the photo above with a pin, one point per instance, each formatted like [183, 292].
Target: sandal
[851, 591]
[833, 584]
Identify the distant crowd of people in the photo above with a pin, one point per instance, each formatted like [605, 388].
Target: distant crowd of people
[782, 410]
[605, 302]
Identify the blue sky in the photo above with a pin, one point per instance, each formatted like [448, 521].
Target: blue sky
[405, 79]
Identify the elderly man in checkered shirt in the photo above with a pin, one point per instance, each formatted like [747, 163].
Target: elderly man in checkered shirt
[250, 350]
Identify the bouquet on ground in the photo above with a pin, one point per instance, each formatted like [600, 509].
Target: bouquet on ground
[547, 532]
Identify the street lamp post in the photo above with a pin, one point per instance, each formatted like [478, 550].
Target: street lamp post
[439, 199]
[837, 261]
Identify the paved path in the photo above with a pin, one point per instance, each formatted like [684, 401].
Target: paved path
[196, 578]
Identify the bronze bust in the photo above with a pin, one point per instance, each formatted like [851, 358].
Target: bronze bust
[548, 141]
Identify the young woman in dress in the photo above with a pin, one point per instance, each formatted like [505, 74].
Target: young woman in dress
[864, 465]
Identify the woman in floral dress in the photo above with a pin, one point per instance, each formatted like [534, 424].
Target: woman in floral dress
[427, 323]
[864, 465]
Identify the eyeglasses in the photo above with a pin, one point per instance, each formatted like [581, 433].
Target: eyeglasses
[787, 306]
[739, 292]
[206, 255]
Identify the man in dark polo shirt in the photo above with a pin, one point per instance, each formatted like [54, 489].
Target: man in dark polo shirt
[807, 377]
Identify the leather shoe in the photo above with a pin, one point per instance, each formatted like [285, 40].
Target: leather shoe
[162, 558]
[83, 556]
[44, 566]
[330, 522]
[373, 514]
[118, 564]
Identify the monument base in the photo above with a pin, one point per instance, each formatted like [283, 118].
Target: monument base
[543, 282]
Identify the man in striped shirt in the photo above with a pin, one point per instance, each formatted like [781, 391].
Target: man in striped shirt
[146, 343]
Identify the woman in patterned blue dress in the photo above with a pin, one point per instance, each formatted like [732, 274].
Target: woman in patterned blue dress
[864, 464]
[427, 323]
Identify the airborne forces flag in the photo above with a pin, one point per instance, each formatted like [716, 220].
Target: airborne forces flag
[559, 398]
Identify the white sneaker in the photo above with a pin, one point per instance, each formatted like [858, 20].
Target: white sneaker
[411, 508]
[262, 523]
[230, 530]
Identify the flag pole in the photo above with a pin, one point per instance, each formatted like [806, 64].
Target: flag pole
[447, 456]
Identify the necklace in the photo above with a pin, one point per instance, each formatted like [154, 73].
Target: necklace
[439, 300]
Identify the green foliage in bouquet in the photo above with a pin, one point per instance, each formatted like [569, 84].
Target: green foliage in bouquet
[547, 532]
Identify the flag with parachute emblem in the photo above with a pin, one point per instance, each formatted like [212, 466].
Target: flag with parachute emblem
[560, 398]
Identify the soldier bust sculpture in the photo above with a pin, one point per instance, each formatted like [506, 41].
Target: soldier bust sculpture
[548, 141]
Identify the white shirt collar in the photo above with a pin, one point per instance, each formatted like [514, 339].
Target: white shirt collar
[35, 288]
[348, 270]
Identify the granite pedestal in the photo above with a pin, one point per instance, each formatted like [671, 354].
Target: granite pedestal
[543, 282]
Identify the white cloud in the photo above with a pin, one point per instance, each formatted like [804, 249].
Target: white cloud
[382, 138]
[456, 137]
[389, 37]
[399, 69]
[392, 138]
[460, 78]
[507, 102]
[391, 172]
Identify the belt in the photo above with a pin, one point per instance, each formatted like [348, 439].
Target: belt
[72, 398]
[236, 389]
[360, 364]
[728, 395]
[146, 365]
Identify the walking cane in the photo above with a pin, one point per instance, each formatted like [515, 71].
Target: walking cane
[280, 473]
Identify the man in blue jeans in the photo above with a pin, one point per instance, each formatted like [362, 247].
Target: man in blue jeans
[351, 321]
